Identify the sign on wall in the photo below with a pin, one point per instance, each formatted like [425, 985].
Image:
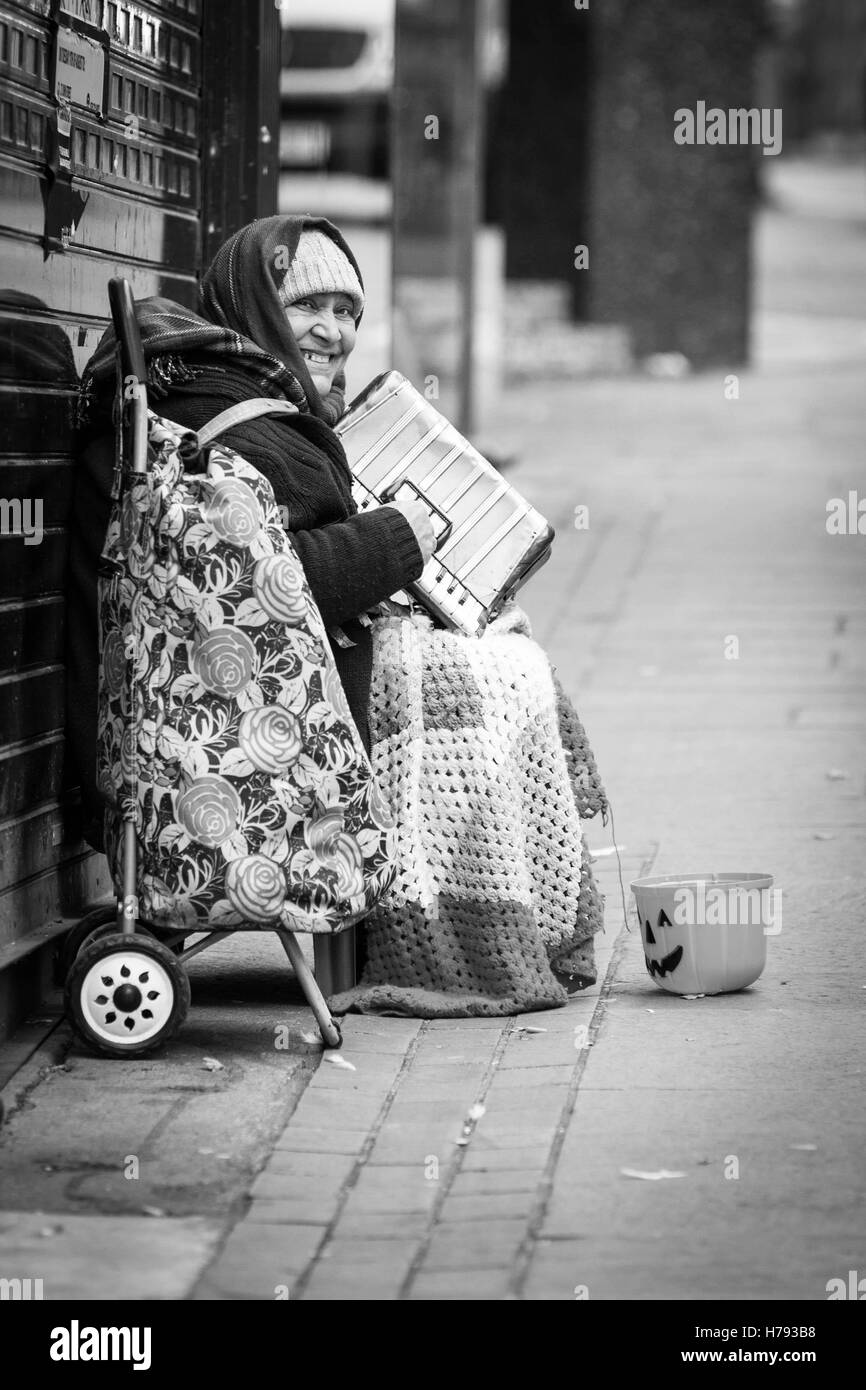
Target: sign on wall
[80, 71]
[79, 76]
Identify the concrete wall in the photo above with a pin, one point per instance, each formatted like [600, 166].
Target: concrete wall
[823, 69]
[583, 153]
[670, 224]
[539, 143]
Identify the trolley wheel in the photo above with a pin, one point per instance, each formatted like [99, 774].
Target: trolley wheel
[126, 995]
[101, 922]
[74, 940]
[332, 1034]
[110, 929]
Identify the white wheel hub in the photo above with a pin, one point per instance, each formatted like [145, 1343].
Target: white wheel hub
[127, 997]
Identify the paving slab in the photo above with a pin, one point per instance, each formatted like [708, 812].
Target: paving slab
[461, 1286]
[391, 1189]
[312, 1209]
[328, 1141]
[465, 1206]
[79, 1256]
[475, 1245]
[528, 1157]
[372, 1225]
[306, 1164]
[260, 1261]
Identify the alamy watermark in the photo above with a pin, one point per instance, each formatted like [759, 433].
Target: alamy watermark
[736, 126]
[77, 1343]
[22, 517]
[846, 516]
[853, 1288]
[710, 905]
[21, 1290]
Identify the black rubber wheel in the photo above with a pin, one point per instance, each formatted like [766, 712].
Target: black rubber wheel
[101, 922]
[126, 995]
[75, 939]
[141, 928]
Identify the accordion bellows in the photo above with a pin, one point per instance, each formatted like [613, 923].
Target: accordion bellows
[396, 441]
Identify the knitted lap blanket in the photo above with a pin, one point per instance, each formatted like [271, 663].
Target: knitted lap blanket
[488, 772]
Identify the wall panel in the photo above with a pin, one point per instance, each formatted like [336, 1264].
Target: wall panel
[130, 202]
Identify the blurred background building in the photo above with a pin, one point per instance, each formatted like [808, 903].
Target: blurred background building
[520, 160]
[818, 63]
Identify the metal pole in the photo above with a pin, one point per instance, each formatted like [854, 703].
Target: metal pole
[467, 200]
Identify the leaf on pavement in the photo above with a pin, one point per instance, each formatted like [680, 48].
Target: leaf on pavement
[658, 1176]
[337, 1061]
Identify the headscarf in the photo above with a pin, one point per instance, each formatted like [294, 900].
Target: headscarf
[240, 290]
[240, 314]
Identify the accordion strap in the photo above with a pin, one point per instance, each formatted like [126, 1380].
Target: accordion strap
[239, 414]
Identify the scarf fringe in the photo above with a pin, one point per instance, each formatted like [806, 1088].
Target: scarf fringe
[166, 370]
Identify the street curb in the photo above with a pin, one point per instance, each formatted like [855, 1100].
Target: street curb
[50, 1051]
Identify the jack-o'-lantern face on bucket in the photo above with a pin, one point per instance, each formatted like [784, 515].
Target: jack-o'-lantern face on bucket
[659, 963]
[704, 934]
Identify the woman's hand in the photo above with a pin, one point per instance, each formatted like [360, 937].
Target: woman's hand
[418, 518]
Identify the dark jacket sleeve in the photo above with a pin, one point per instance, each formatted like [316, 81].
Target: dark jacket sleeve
[353, 565]
[352, 562]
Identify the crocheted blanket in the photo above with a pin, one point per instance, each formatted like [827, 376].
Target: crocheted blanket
[488, 772]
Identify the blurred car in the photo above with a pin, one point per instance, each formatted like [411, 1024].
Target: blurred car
[337, 66]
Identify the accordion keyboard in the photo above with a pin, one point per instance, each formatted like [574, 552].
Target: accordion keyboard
[395, 437]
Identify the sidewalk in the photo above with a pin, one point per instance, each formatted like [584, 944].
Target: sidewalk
[285, 1176]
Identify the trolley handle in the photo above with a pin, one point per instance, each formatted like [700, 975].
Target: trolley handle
[132, 451]
[126, 329]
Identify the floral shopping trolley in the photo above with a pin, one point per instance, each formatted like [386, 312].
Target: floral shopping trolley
[238, 792]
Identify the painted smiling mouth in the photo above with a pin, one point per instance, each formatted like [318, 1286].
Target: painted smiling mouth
[668, 963]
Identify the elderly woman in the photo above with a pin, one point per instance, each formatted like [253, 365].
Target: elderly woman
[278, 314]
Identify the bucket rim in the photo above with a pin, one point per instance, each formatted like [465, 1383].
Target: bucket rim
[708, 880]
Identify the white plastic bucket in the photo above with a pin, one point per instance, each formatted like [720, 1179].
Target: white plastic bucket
[705, 933]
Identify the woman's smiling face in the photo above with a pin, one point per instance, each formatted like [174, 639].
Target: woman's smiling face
[324, 329]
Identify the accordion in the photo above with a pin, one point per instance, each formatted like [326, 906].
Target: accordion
[489, 539]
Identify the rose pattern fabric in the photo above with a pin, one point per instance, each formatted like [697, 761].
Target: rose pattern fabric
[209, 810]
[256, 887]
[221, 708]
[224, 661]
[279, 588]
[234, 512]
[271, 738]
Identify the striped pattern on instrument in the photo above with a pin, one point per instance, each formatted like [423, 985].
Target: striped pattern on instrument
[391, 433]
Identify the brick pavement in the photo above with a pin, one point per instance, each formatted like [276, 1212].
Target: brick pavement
[459, 1122]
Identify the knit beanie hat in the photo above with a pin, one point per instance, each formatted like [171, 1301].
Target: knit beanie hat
[320, 267]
